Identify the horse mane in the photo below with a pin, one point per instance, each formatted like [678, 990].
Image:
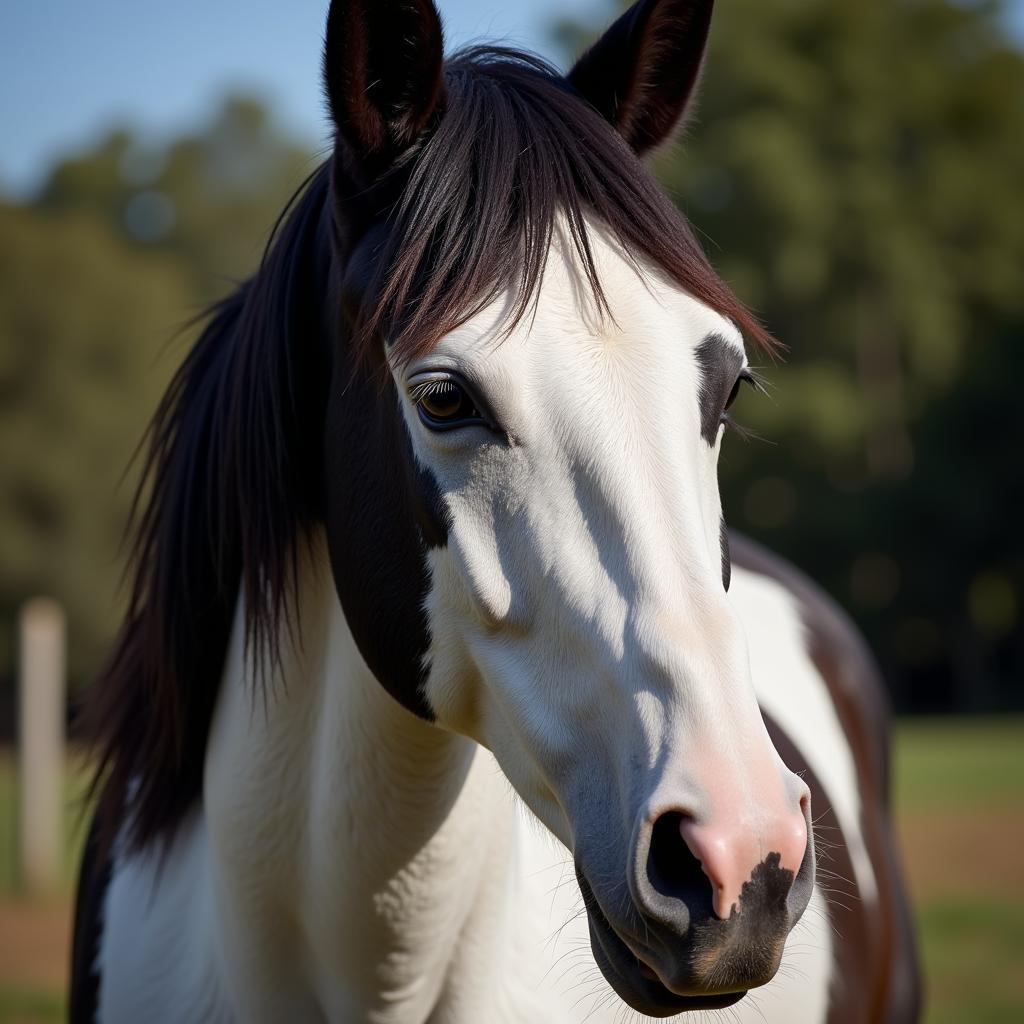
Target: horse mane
[231, 477]
[231, 467]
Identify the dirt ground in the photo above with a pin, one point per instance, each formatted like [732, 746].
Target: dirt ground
[35, 945]
[977, 850]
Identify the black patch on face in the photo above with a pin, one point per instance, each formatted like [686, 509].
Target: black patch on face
[382, 509]
[369, 373]
[723, 535]
[432, 516]
[720, 363]
[377, 547]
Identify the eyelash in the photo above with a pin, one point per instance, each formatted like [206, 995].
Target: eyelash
[425, 388]
[757, 382]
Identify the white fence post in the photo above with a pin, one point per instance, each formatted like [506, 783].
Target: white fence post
[41, 746]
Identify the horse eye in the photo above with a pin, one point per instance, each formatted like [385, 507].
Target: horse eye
[732, 394]
[743, 378]
[443, 403]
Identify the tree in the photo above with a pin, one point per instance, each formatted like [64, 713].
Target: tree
[125, 243]
[83, 319]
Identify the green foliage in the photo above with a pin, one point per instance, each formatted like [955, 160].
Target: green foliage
[83, 318]
[97, 277]
[855, 167]
[209, 199]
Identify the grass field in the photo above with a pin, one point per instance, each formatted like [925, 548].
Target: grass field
[959, 799]
[959, 802]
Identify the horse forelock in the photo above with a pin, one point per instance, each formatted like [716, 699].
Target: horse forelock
[472, 211]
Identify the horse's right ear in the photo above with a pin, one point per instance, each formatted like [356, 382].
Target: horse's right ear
[383, 73]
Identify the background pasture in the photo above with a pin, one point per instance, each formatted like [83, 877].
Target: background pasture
[855, 169]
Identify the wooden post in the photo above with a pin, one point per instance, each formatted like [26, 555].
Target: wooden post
[41, 746]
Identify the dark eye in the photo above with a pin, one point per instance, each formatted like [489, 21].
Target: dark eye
[744, 378]
[442, 404]
[732, 394]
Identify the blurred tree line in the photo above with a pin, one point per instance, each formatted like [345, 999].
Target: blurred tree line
[99, 274]
[856, 170]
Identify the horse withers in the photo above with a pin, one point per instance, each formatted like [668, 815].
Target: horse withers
[440, 695]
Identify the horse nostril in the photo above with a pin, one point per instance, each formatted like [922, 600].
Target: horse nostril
[672, 869]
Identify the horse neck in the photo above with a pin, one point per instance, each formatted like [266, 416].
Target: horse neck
[339, 819]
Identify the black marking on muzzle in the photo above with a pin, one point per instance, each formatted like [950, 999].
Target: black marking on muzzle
[748, 945]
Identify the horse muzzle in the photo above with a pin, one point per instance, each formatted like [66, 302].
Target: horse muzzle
[676, 937]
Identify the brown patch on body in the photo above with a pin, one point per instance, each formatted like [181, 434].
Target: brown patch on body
[876, 955]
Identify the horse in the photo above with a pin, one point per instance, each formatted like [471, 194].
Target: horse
[443, 693]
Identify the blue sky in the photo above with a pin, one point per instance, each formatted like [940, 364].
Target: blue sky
[70, 68]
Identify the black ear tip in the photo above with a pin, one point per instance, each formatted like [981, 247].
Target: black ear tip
[641, 74]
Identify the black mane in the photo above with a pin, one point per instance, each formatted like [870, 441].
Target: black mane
[229, 483]
[232, 477]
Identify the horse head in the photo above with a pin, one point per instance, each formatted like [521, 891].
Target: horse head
[530, 367]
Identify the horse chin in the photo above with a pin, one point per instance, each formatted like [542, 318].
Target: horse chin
[634, 982]
[639, 988]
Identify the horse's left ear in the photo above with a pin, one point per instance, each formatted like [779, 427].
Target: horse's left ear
[641, 73]
[383, 73]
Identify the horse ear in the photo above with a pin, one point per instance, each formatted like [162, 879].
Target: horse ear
[383, 73]
[641, 73]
